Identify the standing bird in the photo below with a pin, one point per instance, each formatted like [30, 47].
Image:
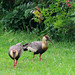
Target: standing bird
[37, 47]
[38, 14]
[15, 52]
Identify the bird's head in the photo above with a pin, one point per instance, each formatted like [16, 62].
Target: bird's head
[14, 53]
[46, 38]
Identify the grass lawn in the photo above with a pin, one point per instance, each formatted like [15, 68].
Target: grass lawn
[59, 61]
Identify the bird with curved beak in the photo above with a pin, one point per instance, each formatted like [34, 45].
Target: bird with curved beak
[38, 47]
[15, 52]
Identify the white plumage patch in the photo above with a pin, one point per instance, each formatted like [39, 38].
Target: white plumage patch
[11, 53]
[31, 49]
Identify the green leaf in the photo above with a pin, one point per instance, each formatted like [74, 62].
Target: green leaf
[27, 13]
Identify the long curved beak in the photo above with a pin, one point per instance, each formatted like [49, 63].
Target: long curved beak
[50, 41]
[14, 55]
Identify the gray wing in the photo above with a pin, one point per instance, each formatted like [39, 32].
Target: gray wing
[34, 46]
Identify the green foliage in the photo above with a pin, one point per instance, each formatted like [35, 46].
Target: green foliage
[58, 21]
[19, 18]
[27, 13]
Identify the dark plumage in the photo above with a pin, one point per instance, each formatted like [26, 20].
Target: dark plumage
[37, 47]
[15, 52]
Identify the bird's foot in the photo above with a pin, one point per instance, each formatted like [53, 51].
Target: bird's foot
[40, 59]
[32, 59]
[14, 66]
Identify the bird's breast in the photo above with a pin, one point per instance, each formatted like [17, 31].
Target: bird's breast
[45, 48]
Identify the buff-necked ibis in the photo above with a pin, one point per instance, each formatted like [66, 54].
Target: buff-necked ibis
[15, 52]
[37, 47]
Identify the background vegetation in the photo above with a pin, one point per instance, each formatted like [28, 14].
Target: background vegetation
[58, 19]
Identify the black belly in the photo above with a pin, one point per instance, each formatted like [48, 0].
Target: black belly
[15, 58]
[39, 51]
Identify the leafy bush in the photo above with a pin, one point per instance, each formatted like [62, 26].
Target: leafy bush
[19, 18]
[58, 21]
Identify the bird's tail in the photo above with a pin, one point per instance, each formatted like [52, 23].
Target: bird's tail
[25, 47]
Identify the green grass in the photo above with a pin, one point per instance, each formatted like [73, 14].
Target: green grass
[59, 61]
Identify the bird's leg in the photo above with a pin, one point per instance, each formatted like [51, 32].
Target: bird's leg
[14, 64]
[40, 57]
[33, 57]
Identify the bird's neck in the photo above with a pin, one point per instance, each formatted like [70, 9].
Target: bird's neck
[44, 45]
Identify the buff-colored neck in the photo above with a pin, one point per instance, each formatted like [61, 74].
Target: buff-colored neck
[44, 44]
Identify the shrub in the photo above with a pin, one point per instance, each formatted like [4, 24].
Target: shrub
[58, 21]
[19, 18]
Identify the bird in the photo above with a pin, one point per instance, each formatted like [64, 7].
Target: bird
[37, 13]
[38, 47]
[15, 52]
